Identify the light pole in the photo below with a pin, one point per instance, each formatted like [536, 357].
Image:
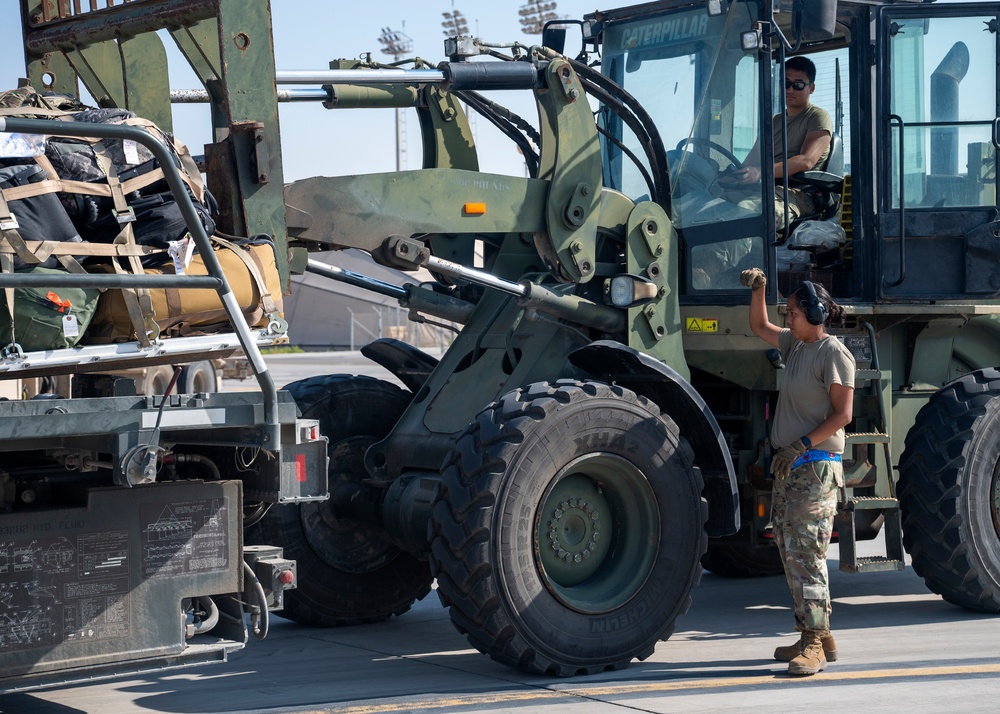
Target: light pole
[534, 14]
[454, 23]
[397, 44]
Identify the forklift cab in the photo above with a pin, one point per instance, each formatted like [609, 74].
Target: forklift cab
[912, 91]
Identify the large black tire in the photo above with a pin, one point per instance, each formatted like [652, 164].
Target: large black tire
[737, 560]
[949, 492]
[568, 529]
[349, 571]
[198, 378]
[155, 380]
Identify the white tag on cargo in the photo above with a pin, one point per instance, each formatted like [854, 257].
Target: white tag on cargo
[71, 326]
[181, 251]
[131, 150]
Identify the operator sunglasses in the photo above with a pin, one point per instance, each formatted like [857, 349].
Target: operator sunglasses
[798, 85]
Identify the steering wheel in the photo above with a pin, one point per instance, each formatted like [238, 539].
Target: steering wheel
[724, 178]
[697, 141]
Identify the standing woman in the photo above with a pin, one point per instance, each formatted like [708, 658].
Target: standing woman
[815, 403]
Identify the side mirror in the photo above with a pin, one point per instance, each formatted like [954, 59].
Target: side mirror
[814, 19]
[717, 7]
[554, 38]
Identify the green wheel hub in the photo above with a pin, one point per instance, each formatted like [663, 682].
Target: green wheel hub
[596, 533]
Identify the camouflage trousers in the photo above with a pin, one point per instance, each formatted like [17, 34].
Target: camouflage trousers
[800, 203]
[802, 511]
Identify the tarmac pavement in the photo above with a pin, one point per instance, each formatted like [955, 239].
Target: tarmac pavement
[902, 648]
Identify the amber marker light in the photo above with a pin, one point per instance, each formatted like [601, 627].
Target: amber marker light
[474, 209]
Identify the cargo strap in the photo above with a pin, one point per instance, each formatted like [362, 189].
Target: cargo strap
[14, 244]
[250, 260]
[7, 266]
[137, 300]
[35, 252]
[43, 112]
[190, 173]
[8, 228]
[41, 252]
[42, 249]
[8, 223]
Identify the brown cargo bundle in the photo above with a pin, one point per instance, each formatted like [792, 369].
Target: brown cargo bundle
[250, 267]
[115, 194]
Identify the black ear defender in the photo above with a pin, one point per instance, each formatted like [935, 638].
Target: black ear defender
[812, 306]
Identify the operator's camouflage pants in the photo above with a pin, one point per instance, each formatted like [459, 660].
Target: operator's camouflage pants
[803, 507]
[800, 203]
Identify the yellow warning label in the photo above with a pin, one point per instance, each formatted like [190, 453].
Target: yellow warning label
[702, 324]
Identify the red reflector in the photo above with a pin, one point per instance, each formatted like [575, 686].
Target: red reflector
[300, 468]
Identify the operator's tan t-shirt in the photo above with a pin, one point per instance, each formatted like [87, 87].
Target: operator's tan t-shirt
[812, 118]
[804, 399]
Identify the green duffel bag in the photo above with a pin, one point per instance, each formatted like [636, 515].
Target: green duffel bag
[44, 318]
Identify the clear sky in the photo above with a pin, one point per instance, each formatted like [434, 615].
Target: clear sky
[310, 33]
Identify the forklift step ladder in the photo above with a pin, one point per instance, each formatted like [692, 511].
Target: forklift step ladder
[850, 561]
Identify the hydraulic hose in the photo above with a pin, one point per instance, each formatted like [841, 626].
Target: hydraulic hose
[210, 621]
[632, 157]
[654, 144]
[633, 123]
[259, 616]
[488, 110]
[204, 461]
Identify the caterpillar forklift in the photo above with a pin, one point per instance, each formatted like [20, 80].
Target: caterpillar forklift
[596, 434]
[565, 536]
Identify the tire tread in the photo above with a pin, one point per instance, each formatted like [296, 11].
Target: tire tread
[466, 497]
[931, 492]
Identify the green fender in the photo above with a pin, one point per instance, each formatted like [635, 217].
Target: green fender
[947, 349]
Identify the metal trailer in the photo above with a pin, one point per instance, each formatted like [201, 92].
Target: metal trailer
[121, 531]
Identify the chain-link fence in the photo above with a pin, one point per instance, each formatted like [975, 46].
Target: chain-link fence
[380, 321]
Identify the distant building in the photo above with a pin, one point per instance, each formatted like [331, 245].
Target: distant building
[327, 314]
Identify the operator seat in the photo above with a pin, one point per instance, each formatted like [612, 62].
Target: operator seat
[824, 186]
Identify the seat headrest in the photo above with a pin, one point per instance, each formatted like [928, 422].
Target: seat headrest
[835, 159]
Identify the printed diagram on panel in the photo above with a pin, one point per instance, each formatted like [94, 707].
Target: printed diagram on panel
[185, 537]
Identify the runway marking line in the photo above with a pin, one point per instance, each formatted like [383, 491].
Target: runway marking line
[653, 687]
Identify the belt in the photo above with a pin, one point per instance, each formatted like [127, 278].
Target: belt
[814, 455]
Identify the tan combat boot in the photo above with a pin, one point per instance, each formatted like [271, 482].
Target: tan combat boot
[787, 653]
[811, 660]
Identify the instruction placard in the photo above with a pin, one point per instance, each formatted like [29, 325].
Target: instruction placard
[702, 324]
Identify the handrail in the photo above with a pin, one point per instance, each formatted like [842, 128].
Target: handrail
[216, 278]
[13, 280]
[902, 207]
[873, 339]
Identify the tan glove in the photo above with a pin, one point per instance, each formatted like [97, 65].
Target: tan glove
[781, 462]
[753, 278]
